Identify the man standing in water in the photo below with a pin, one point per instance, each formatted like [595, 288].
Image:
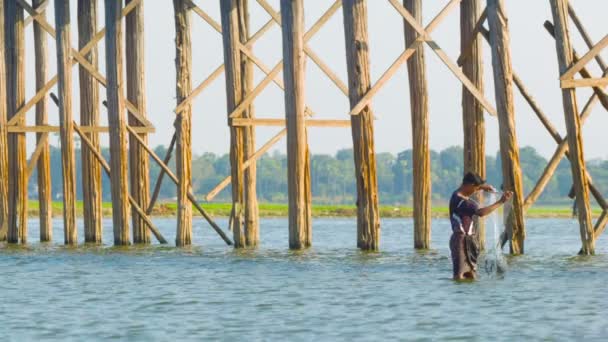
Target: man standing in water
[462, 211]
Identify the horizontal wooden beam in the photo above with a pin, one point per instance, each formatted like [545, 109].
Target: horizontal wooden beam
[85, 129]
[576, 67]
[584, 82]
[281, 122]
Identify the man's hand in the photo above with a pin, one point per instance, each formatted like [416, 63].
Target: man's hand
[506, 196]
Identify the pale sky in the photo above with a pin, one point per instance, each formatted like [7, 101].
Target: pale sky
[533, 52]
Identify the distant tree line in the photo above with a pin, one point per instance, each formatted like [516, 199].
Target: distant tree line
[333, 179]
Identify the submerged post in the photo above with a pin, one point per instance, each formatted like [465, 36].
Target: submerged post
[44, 159]
[472, 111]
[117, 122]
[136, 94]
[3, 133]
[359, 83]
[298, 164]
[17, 161]
[505, 107]
[66, 131]
[235, 20]
[421, 153]
[89, 116]
[183, 65]
[559, 9]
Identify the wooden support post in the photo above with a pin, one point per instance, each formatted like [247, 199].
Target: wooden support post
[359, 82]
[183, 65]
[17, 181]
[89, 116]
[44, 158]
[239, 80]
[420, 132]
[474, 146]
[64, 72]
[4, 173]
[298, 164]
[509, 150]
[136, 94]
[117, 122]
[559, 9]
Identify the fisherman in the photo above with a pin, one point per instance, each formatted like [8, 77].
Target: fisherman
[462, 211]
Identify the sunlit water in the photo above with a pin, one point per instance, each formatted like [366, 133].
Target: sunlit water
[330, 292]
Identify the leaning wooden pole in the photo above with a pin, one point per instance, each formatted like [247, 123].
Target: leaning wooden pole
[420, 133]
[17, 181]
[4, 173]
[359, 83]
[66, 131]
[474, 134]
[89, 116]
[559, 8]
[117, 122]
[509, 150]
[183, 151]
[239, 74]
[136, 94]
[298, 164]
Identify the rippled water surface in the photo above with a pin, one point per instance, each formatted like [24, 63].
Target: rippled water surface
[330, 292]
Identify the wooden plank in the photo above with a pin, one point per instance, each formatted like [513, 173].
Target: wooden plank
[403, 57]
[469, 40]
[39, 7]
[188, 100]
[17, 183]
[576, 67]
[359, 80]
[585, 82]
[89, 116]
[4, 151]
[66, 131]
[573, 126]
[206, 17]
[581, 29]
[136, 94]
[326, 69]
[56, 129]
[161, 175]
[183, 65]
[118, 124]
[42, 152]
[281, 122]
[509, 149]
[298, 157]
[260, 152]
[35, 157]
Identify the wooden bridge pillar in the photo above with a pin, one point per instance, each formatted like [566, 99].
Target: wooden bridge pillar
[359, 83]
[44, 159]
[559, 8]
[66, 131]
[239, 77]
[298, 164]
[117, 122]
[472, 111]
[17, 161]
[89, 116]
[421, 153]
[505, 107]
[136, 94]
[183, 65]
[4, 173]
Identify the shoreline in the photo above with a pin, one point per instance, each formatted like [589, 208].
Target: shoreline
[268, 210]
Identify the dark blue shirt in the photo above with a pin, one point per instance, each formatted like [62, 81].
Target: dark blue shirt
[462, 211]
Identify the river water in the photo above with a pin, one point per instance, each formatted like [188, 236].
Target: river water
[330, 292]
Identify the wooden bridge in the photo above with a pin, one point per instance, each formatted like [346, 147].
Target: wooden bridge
[129, 125]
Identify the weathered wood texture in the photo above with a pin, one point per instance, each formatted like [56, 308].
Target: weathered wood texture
[17, 181]
[473, 123]
[117, 122]
[66, 130]
[239, 80]
[89, 116]
[136, 93]
[4, 173]
[420, 132]
[359, 82]
[505, 106]
[183, 65]
[559, 9]
[44, 160]
[298, 164]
